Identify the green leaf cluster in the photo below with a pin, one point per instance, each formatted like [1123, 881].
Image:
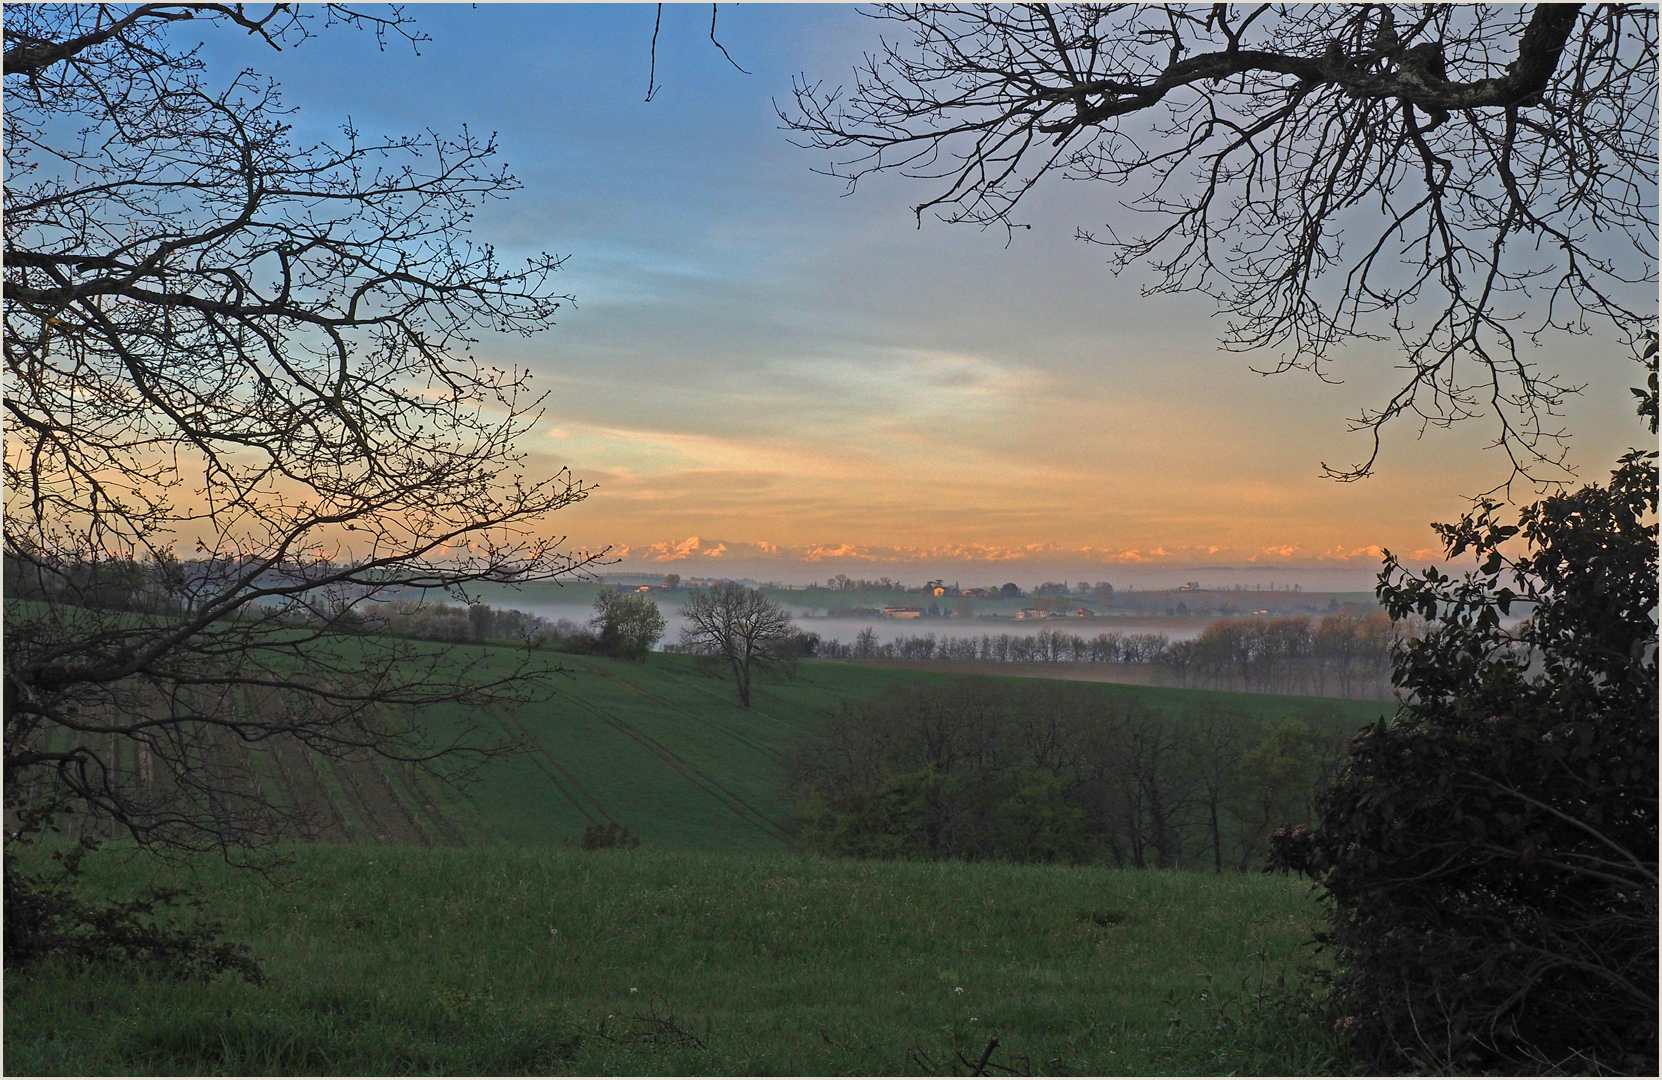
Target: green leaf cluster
[1491, 852]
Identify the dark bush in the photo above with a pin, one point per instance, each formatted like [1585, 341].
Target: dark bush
[610, 836]
[1491, 852]
[45, 919]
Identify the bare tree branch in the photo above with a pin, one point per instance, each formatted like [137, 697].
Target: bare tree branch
[242, 409]
[1493, 167]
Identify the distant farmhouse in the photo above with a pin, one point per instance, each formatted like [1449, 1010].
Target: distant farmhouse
[902, 613]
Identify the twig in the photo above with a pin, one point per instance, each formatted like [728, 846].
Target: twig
[921, 1060]
[980, 1067]
[1577, 822]
[652, 72]
[718, 44]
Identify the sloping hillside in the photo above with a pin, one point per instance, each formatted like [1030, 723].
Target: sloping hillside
[661, 747]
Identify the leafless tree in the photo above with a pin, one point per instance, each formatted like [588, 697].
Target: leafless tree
[738, 626]
[241, 406]
[1463, 180]
[1215, 744]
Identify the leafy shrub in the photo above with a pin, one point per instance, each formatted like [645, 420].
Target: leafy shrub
[1492, 851]
[44, 919]
[1021, 815]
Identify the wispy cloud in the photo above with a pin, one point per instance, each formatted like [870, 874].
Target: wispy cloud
[760, 373]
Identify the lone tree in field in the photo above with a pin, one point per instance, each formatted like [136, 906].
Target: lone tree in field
[1463, 180]
[626, 625]
[738, 626]
[241, 405]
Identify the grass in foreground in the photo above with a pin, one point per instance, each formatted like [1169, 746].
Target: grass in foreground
[502, 960]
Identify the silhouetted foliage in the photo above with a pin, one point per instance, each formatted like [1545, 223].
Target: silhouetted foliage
[45, 919]
[1325, 173]
[1491, 851]
[216, 334]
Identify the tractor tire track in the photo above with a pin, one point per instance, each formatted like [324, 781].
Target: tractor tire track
[446, 829]
[707, 692]
[237, 800]
[693, 775]
[389, 820]
[688, 711]
[554, 771]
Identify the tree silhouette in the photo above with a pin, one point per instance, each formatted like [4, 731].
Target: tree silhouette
[242, 405]
[1463, 180]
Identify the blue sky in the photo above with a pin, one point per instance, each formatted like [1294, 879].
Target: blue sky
[808, 384]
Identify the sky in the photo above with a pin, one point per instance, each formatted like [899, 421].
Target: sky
[764, 375]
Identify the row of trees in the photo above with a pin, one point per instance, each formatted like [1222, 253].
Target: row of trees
[1336, 656]
[976, 770]
[883, 584]
[456, 622]
[736, 630]
[624, 625]
[1046, 646]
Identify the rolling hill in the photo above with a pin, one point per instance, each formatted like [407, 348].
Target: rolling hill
[660, 747]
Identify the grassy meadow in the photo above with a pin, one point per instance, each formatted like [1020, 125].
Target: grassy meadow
[529, 959]
[445, 932]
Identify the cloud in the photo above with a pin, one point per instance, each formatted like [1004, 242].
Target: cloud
[820, 552]
[674, 552]
[1372, 553]
[767, 558]
[901, 553]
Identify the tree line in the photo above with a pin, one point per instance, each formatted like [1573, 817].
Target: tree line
[1337, 655]
[1046, 646]
[1053, 773]
[624, 625]
[1340, 655]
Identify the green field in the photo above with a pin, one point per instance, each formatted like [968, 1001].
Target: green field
[661, 747]
[514, 960]
[451, 932]
[668, 751]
